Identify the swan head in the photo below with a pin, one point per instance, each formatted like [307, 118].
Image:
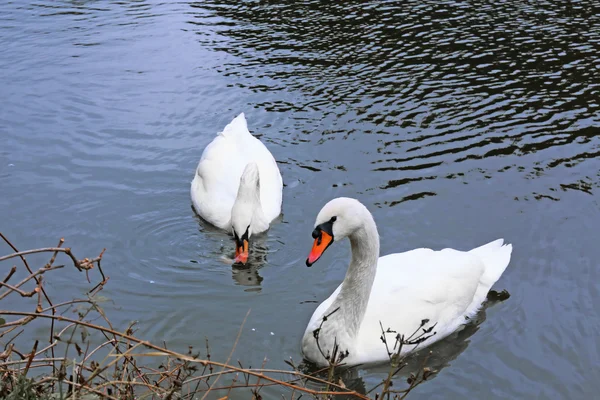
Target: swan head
[338, 219]
[243, 210]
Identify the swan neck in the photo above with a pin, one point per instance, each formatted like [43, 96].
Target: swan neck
[249, 191]
[358, 282]
[249, 188]
[248, 204]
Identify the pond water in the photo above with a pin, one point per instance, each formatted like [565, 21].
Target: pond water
[454, 122]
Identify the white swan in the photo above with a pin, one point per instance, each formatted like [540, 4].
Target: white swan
[237, 186]
[400, 290]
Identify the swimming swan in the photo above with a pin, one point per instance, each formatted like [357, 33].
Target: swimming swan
[237, 186]
[400, 290]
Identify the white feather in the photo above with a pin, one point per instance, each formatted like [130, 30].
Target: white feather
[214, 189]
[398, 290]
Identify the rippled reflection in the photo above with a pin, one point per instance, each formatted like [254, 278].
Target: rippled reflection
[444, 82]
[244, 275]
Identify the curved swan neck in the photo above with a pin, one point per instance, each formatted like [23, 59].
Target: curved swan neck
[358, 282]
[247, 208]
[249, 193]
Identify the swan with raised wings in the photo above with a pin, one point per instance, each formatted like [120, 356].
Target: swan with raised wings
[237, 186]
[401, 291]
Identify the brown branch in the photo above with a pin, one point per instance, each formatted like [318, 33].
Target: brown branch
[35, 360]
[55, 342]
[111, 341]
[230, 354]
[263, 366]
[169, 374]
[129, 377]
[53, 258]
[38, 289]
[124, 382]
[65, 250]
[18, 322]
[30, 359]
[299, 376]
[80, 386]
[16, 289]
[84, 264]
[100, 370]
[33, 275]
[12, 246]
[66, 303]
[191, 359]
[10, 273]
[6, 353]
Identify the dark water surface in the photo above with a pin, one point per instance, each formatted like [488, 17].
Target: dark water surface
[455, 122]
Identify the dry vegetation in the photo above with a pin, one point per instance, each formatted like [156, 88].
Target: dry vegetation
[81, 359]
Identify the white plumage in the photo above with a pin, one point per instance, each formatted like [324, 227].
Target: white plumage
[237, 168]
[399, 290]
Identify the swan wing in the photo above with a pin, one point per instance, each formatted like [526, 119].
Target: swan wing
[250, 149]
[445, 287]
[216, 181]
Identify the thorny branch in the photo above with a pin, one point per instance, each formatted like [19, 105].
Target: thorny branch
[84, 367]
[78, 264]
[335, 357]
[397, 362]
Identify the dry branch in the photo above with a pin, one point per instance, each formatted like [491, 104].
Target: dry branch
[84, 369]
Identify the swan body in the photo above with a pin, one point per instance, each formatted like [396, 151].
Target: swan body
[237, 185]
[446, 287]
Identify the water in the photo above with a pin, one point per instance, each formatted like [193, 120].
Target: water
[454, 122]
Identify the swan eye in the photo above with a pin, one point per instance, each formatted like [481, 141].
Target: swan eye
[326, 227]
[316, 233]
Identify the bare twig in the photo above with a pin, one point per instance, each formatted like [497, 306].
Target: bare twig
[30, 359]
[230, 354]
[130, 380]
[31, 276]
[10, 273]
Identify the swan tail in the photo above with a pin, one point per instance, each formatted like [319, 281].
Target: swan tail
[238, 126]
[495, 256]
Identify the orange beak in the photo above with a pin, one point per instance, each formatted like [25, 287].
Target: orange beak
[322, 242]
[241, 252]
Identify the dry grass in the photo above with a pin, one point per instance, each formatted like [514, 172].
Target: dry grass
[82, 359]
